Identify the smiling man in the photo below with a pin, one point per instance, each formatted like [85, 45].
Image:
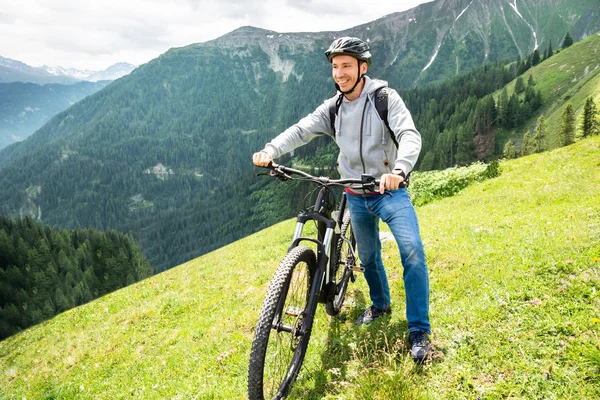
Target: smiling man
[386, 147]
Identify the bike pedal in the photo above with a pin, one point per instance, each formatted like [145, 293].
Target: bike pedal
[293, 311]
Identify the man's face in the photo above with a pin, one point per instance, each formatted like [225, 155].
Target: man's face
[345, 71]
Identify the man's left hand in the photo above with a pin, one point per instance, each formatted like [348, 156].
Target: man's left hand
[390, 182]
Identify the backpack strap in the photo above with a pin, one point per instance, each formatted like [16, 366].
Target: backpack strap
[381, 104]
[334, 106]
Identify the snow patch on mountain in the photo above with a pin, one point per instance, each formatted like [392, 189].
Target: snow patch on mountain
[72, 72]
[111, 73]
[510, 32]
[437, 50]
[514, 7]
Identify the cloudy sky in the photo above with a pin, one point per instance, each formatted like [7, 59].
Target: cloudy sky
[94, 34]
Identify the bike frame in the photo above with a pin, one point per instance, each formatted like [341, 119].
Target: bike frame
[326, 236]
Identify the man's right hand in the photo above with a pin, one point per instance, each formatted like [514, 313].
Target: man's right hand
[262, 159]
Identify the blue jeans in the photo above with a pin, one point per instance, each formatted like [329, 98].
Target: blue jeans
[399, 214]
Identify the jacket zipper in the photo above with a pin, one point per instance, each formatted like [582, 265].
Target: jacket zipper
[362, 121]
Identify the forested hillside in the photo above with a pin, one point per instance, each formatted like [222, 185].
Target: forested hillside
[44, 271]
[165, 153]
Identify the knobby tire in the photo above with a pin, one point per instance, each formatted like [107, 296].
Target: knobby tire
[276, 356]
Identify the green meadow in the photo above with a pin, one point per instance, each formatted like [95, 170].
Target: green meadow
[515, 274]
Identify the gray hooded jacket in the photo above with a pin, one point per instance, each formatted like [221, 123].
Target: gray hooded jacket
[364, 141]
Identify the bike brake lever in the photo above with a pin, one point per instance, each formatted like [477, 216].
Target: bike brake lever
[279, 174]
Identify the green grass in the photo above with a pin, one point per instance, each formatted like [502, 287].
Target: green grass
[514, 266]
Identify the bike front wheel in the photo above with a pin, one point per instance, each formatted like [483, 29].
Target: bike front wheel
[343, 261]
[283, 330]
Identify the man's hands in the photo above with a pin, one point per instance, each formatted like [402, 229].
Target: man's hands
[262, 159]
[390, 182]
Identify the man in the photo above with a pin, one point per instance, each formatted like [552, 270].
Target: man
[368, 147]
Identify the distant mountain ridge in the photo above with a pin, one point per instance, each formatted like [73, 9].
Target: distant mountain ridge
[26, 107]
[111, 73]
[30, 96]
[17, 71]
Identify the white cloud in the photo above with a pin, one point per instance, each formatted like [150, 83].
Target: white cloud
[96, 34]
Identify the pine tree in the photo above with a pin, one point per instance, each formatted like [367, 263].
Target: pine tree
[540, 134]
[535, 59]
[567, 41]
[503, 108]
[465, 148]
[510, 151]
[528, 146]
[550, 51]
[529, 95]
[567, 128]
[512, 113]
[428, 162]
[589, 124]
[530, 81]
[519, 85]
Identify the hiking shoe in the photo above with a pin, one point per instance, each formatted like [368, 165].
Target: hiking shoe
[371, 313]
[420, 347]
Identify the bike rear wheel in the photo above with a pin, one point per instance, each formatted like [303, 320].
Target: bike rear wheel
[283, 330]
[344, 260]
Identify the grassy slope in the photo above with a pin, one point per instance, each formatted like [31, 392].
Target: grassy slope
[572, 75]
[514, 267]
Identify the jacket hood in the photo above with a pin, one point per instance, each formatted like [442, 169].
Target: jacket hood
[372, 85]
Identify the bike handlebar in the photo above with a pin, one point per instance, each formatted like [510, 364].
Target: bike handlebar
[368, 182]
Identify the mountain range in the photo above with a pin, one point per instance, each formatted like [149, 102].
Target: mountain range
[111, 73]
[25, 107]
[30, 96]
[164, 152]
[17, 71]
[438, 39]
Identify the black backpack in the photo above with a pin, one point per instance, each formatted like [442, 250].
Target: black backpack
[381, 104]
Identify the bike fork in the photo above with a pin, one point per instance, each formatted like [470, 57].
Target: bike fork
[323, 249]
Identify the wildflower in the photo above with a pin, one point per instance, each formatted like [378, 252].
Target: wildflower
[595, 321]
[535, 302]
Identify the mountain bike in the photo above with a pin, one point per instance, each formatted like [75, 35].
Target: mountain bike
[303, 279]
